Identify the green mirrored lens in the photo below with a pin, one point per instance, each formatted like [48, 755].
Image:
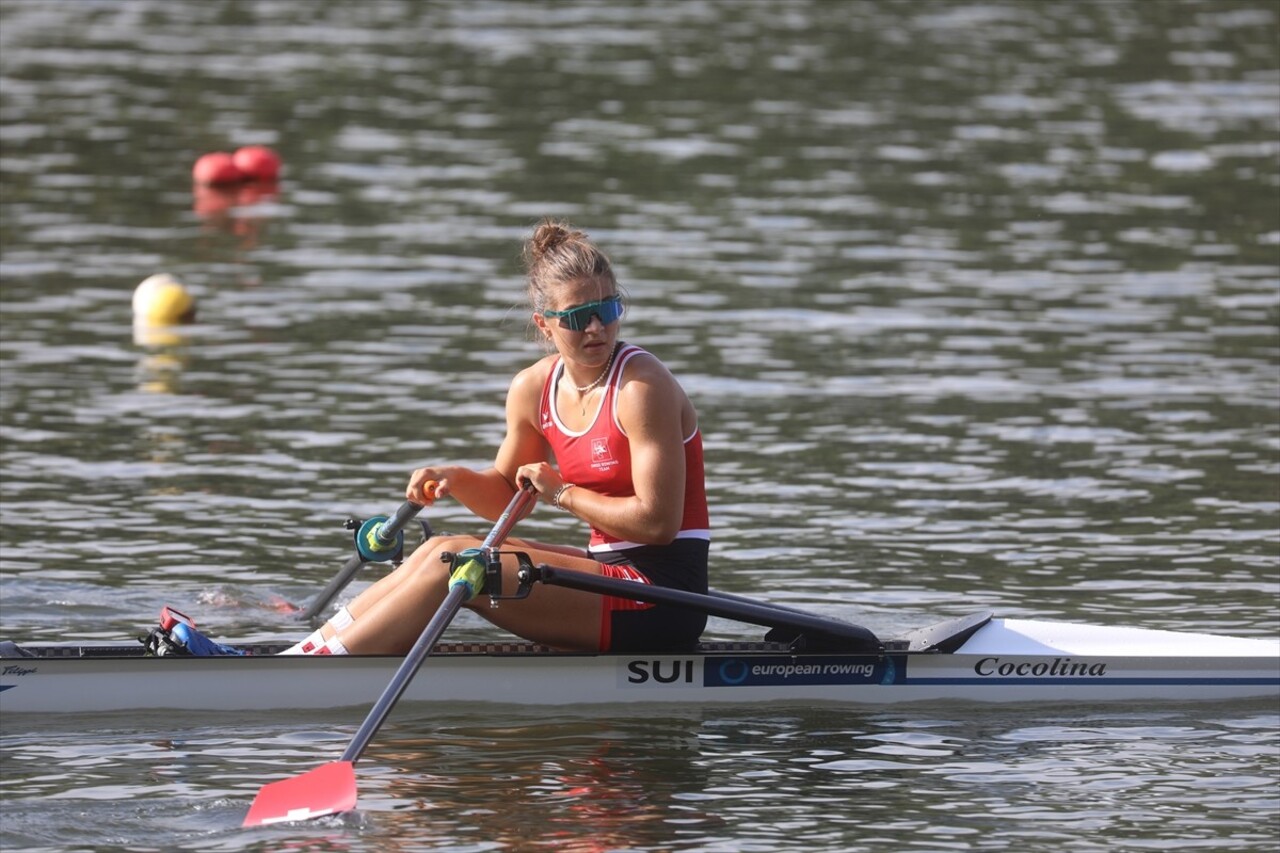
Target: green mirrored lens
[579, 317]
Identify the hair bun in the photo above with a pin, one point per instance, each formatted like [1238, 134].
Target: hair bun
[557, 253]
[549, 235]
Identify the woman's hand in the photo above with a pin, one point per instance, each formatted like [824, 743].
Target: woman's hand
[544, 478]
[427, 484]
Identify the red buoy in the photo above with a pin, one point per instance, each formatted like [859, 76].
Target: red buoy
[257, 162]
[216, 168]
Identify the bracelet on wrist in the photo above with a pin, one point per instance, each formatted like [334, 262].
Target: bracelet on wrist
[555, 499]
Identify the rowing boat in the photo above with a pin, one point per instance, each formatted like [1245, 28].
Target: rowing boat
[977, 658]
[805, 657]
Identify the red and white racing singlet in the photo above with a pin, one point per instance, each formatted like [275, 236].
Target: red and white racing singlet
[599, 457]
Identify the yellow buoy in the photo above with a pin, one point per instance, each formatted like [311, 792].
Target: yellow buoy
[162, 300]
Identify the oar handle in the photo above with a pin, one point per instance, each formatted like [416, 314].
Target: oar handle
[385, 534]
[520, 501]
[471, 568]
[379, 538]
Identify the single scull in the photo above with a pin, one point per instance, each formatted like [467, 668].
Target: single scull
[976, 658]
[805, 657]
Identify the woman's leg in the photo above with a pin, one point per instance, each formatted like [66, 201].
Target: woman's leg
[426, 553]
[551, 615]
[390, 615]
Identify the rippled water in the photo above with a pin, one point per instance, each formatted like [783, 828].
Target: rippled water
[979, 303]
[739, 780]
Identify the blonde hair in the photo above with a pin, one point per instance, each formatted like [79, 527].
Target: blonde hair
[557, 253]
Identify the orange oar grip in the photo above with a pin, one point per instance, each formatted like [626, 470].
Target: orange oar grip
[430, 491]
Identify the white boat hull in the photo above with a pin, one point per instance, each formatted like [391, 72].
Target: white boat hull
[1004, 661]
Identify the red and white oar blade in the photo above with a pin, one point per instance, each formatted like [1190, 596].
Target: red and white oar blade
[328, 789]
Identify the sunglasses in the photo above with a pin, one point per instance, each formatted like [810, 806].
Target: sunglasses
[579, 317]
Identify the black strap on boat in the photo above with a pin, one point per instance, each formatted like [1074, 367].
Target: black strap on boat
[802, 631]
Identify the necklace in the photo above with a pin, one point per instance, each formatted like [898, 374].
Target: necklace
[592, 386]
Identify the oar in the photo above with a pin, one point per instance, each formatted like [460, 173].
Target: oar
[331, 788]
[376, 541]
[830, 633]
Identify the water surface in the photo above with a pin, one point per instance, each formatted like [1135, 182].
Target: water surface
[979, 304]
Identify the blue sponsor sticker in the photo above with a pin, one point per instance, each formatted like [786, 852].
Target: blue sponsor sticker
[752, 671]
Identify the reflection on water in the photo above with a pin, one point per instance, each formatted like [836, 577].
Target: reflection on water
[978, 302]
[788, 778]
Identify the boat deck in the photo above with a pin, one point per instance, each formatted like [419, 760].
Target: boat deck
[940, 638]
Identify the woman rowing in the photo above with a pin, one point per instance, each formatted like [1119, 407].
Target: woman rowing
[603, 432]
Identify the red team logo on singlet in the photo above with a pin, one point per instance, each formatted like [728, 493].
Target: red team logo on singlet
[600, 455]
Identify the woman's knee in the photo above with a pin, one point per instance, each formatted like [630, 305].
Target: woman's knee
[438, 552]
